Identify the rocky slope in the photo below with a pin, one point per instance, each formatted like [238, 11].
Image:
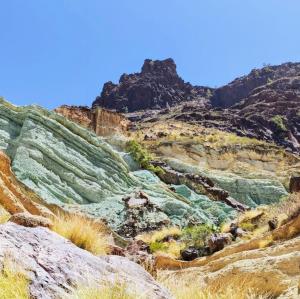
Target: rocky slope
[251, 171]
[69, 166]
[54, 266]
[263, 105]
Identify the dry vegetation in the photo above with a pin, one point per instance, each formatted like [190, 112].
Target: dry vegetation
[181, 288]
[170, 241]
[256, 222]
[108, 291]
[83, 232]
[13, 284]
[4, 215]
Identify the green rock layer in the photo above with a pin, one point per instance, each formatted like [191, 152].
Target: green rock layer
[72, 167]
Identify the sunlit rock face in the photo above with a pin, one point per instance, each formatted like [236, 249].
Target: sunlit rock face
[103, 122]
[70, 166]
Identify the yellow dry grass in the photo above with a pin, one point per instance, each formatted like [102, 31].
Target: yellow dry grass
[83, 232]
[13, 284]
[108, 291]
[191, 288]
[160, 234]
[4, 215]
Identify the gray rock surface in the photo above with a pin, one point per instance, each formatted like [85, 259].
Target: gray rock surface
[55, 266]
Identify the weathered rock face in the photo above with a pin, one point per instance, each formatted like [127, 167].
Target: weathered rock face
[55, 266]
[295, 184]
[79, 114]
[226, 166]
[263, 104]
[14, 197]
[69, 166]
[156, 86]
[103, 122]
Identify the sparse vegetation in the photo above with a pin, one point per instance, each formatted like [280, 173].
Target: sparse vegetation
[83, 232]
[279, 121]
[13, 284]
[108, 291]
[142, 156]
[4, 215]
[171, 241]
[196, 235]
[190, 288]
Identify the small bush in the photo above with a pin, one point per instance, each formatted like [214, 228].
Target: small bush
[278, 120]
[197, 235]
[157, 246]
[83, 232]
[247, 226]
[142, 156]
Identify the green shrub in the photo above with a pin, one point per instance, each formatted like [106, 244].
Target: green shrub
[278, 120]
[197, 235]
[157, 246]
[142, 156]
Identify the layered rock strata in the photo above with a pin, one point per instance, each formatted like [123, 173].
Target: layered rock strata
[69, 166]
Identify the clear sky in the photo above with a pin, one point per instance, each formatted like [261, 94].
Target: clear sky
[55, 52]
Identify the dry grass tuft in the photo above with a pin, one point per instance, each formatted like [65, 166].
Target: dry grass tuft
[160, 234]
[83, 232]
[117, 291]
[13, 284]
[238, 288]
[4, 215]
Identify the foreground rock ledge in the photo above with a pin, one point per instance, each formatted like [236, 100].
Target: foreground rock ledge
[55, 266]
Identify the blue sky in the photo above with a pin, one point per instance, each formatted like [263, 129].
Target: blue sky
[57, 52]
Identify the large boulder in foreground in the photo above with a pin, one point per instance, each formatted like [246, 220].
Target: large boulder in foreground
[55, 266]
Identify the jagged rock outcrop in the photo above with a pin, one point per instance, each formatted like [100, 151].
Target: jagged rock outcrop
[156, 86]
[69, 166]
[263, 104]
[103, 122]
[54, 266]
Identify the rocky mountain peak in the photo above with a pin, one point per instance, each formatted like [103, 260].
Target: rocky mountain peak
[165, 67]
[157, 86]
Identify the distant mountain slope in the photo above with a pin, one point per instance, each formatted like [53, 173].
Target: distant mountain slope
[265, 104]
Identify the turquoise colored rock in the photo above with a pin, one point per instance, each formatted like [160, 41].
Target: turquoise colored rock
[249, 191]
[70, 166]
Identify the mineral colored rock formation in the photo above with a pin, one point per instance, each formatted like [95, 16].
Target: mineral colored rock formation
[70, 166]
[103, 122]
[14, 197]
[54, 266]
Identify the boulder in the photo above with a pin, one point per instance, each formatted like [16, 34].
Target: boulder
[54, 266]
[295, 184]
[29, 220]
[217, 242]
[189, 254]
